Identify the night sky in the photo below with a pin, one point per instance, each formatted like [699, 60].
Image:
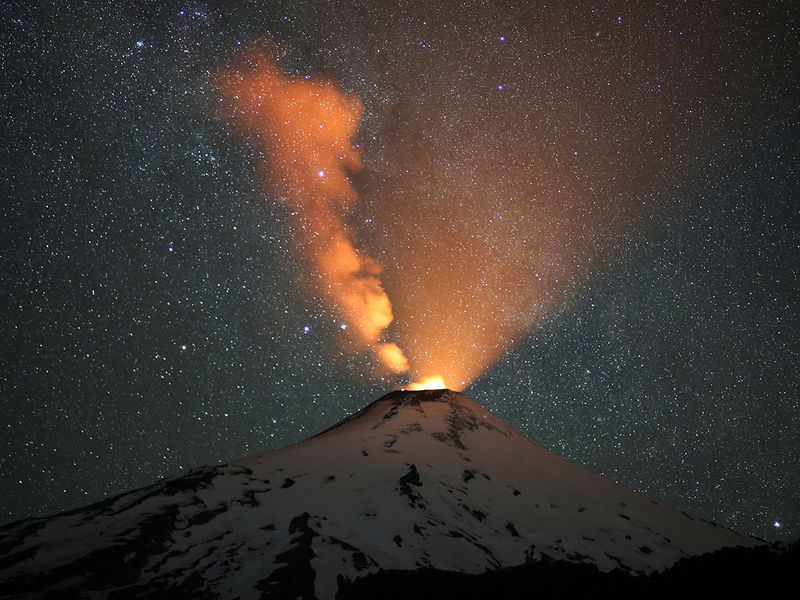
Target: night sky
[609, 191]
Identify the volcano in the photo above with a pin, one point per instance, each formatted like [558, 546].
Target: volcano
[416, 479]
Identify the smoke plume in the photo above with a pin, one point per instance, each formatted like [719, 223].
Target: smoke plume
[306, 128]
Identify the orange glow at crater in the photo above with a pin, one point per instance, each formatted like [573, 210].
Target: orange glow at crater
[429, 383]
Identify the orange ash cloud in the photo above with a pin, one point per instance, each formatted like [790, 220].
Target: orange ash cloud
[306, 128]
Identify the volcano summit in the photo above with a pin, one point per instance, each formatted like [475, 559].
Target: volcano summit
[416, 479]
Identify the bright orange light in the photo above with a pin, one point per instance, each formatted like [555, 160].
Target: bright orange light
[392, 356]
[429, 383]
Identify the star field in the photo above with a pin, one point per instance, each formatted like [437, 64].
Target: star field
[614, 188]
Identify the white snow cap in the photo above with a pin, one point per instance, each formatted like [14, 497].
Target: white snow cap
[417, 478]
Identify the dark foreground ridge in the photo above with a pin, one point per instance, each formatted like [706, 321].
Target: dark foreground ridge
[760, 572]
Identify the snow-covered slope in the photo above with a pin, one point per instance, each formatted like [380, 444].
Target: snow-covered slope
[425, 478]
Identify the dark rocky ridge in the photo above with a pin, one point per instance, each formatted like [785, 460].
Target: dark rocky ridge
[728, 573]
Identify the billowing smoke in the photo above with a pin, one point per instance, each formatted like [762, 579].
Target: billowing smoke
[497, 201]
[306, 128]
